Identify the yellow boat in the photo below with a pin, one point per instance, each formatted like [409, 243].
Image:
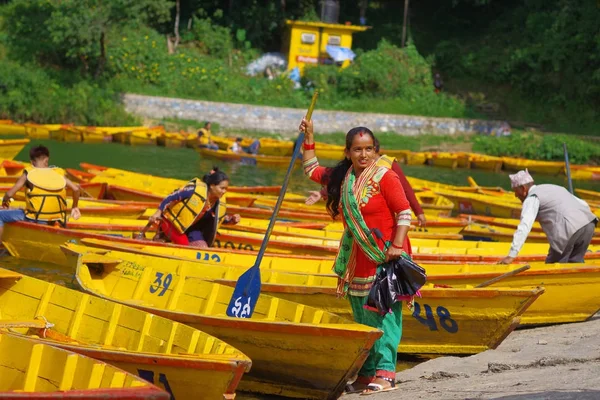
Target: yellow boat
[142, 138]
[90, 209]
[511, 223]
[8, 127]
[92, 134]
[535, 166]
[10, 148]
[67, 133]
[464, 321]
[444, 160]
[489, 163]
[296, 351]
[505, 206]
[173, 139]
[249, 159]
[268, 146]
[583, 173]
[588, 194]
[575, 284]
[72, 133]
[334, 230]
[433, 205]
[570, 289]
[186, 362]
[505, 234]
[41, 243]
[31, 370]
[36, 131]
[158, 186]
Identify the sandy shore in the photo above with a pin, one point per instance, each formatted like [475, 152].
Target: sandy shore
[559, 362]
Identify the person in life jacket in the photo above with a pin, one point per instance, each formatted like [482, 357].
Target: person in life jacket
[204, 138]
[45, 193]
[191, 215]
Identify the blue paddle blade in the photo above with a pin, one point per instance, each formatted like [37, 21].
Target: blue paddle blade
[245, 295]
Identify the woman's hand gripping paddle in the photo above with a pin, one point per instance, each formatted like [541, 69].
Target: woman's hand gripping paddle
[247, 289]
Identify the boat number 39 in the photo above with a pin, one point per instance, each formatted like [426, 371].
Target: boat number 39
[159, 281]
[240, 310]
[162, 378]
[443, 315]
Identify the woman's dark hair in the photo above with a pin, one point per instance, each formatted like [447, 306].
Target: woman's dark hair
[215, 177]
[376, 145]
[337, 175]
[38, 151]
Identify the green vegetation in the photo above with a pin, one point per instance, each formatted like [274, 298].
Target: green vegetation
[531, 62]
[539, 147]
[526, 61]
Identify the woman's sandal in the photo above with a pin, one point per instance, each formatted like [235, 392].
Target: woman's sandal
[373, 387]
[358, 386]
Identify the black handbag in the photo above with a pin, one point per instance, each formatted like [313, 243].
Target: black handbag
[397, 278]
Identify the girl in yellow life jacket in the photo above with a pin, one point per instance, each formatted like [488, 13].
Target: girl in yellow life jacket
[192, 214]
[45, 193]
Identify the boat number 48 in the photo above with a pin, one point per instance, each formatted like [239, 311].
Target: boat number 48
[443, 316]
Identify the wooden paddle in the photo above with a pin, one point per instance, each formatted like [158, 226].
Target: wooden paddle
[142, 234]
[506, 275]
[568, 168]
[247, 289]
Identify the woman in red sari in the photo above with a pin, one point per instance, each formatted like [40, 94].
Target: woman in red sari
[367, 196]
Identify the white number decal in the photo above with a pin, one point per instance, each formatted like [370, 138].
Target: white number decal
[241, 311]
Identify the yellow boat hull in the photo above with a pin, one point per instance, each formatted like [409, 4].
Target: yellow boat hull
[575, 284]
[570, 289]
[487, 163]
[35, 131]
[96, 136]
[9, 149]
[467, 321]
[140, 139]
[295, 350]
[249, 159]
[10, 128]
[493, 206]
[535, 166]
[189, 364]
[444, 160]
[173, 139]
[35, 370]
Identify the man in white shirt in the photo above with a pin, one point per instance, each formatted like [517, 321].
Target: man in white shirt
[567, 220]
[236, 147]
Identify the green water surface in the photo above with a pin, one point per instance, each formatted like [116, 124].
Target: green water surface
[184, 163]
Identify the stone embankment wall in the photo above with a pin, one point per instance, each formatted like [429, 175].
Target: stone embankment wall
[285, 120]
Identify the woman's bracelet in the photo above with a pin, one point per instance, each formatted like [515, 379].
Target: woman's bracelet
[397, 247]
[307, 146]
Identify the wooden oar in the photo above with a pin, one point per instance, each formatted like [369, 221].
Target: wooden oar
[503, 276]
[142, 234]
[247, 289]
[568, 168]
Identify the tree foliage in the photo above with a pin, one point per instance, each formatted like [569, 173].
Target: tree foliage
[72, 33]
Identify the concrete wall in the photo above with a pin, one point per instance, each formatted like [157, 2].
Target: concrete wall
[286, 120]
